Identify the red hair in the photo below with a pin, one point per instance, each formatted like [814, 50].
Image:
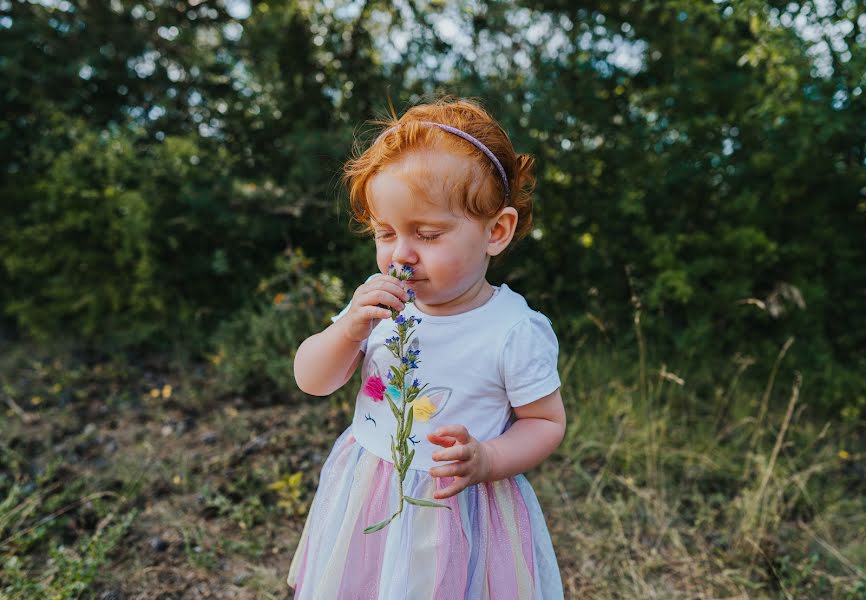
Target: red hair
[480, 194]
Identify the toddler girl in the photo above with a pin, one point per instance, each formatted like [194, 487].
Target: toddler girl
[442, 191]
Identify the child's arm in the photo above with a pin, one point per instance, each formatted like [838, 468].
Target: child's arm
[539, 429]
[325, 361]
[537, 432]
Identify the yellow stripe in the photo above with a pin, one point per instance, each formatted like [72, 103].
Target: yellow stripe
[506, 507]
[331, 577]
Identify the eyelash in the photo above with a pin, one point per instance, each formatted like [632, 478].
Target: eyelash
[422, 237]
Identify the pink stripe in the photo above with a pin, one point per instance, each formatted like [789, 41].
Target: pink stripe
[501, 569]
[363, 566]
[452, 554]
[524, 526]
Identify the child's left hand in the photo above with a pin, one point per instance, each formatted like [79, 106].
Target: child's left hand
[473, 459]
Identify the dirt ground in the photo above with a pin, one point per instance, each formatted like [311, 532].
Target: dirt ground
[196, 467]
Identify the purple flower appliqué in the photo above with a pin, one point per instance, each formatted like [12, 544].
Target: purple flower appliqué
[375, 388]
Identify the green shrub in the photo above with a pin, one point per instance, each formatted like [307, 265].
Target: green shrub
[254, 350]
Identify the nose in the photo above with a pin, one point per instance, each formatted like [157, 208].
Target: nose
[404, 253]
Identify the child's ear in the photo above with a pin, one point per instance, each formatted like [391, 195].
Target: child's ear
[501, 230]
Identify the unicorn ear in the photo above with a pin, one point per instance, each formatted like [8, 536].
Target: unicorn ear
[414, 344]
[371, 369]
[439, 397]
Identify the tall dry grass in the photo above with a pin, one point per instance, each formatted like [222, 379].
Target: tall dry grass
[659, 491]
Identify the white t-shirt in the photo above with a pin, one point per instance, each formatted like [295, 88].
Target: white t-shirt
[477, 364]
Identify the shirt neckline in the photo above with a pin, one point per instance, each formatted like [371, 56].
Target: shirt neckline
[498, 293]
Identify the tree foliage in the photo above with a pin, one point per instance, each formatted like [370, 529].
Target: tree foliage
[157, 156]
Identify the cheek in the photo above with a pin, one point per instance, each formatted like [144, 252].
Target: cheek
[457, 265]
[383, 258]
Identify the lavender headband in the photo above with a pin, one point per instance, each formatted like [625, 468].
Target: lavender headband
[471, 140]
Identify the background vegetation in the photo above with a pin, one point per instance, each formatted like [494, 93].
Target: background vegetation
[173, 226]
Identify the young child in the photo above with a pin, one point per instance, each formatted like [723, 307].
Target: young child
[442, 191]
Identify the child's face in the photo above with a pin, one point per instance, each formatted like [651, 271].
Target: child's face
[448, 251]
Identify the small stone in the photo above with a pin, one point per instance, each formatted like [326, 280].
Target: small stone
[166, 430]
[110, 595]
[158, 544]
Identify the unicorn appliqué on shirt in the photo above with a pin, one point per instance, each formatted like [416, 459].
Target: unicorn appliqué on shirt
[425, 407]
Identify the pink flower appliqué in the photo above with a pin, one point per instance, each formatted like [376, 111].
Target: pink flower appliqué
[375, 388]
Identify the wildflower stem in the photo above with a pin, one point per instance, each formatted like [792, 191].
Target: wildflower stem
[400, 452]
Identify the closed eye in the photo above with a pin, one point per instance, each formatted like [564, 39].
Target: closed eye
[429, 237]
[367, 417]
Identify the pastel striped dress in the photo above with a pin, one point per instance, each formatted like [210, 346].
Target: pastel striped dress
[494, 543]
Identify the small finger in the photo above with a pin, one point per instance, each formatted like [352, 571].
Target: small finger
[382, 297]
[454, 469]
[386, 283]
[460, 452]
[459, 432]
[444, 441]
[376, 312]
[451, 490]
[393, 283]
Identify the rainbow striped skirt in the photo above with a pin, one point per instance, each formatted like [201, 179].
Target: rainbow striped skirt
[492, 545]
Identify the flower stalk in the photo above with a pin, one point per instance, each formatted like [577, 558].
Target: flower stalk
[401, 393]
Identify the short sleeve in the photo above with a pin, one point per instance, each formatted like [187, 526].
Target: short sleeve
[529, 360]
[346, 309]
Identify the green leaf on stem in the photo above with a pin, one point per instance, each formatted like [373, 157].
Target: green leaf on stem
[409, 419]
[418, 502]
[380, 525]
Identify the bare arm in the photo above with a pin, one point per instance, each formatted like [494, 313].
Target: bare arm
[538, 431]
[325, 361]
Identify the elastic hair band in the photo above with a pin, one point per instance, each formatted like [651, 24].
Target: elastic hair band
[470, 139]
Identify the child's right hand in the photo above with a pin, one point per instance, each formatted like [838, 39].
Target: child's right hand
[365, 311]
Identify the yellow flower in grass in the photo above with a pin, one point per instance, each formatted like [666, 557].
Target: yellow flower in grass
[844, 455]
[423, 409]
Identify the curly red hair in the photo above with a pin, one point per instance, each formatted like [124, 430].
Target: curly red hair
[480, 193]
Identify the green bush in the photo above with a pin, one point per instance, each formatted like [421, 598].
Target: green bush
[254, 349]
[122, 244]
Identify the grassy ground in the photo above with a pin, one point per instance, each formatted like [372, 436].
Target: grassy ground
[141, 481]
